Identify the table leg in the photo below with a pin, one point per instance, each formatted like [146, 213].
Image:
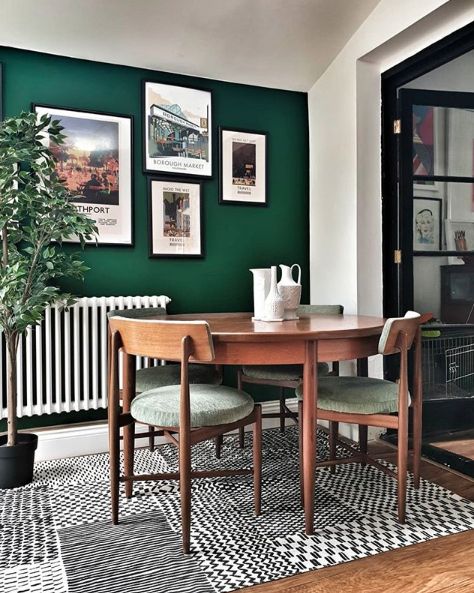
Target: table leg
[309, 433]
[363, 371]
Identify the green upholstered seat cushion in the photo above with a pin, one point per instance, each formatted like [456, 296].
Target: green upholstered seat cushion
[280, 372]
[211, 405]
[356, 395]
[170, 374]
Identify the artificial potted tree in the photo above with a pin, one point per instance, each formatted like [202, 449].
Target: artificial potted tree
[36, 213]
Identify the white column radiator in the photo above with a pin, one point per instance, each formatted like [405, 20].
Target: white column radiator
[62, 362]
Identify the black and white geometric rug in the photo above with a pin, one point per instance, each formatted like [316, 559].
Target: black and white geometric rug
[56, 535]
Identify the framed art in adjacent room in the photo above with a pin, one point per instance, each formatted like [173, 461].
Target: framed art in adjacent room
[95, 164]
[175, 218]
[427, 225]
[243, 167]
[428, 148]
[459, 235]
[177, 130]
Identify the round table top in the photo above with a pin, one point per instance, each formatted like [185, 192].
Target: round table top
[239, 327]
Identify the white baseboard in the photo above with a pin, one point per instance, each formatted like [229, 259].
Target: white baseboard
[86, 439]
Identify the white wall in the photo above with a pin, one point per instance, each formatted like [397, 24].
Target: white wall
[427, 284]
[345, 147]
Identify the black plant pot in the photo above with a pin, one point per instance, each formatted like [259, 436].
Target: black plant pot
[16, 463]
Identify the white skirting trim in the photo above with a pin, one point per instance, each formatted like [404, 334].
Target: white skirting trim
[86, 439]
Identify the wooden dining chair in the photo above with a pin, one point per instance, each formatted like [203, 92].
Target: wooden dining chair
[285, 376]
[368, 401]
[185, 414]
[168, 374]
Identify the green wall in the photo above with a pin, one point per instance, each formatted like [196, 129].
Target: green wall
[236, 238]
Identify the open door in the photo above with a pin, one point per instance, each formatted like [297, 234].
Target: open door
[436, 247]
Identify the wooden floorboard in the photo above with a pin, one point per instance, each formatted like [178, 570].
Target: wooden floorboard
[459, 446]
[443, 565]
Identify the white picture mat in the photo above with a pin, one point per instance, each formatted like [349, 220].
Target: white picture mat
[238, 193]
[163, 245]
[194, 103]
[121, 231]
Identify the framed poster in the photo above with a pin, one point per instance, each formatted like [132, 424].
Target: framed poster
[427, 234]
[177, 130]
[175, 218]
[95, 164]
[243, 167]
[428, 148]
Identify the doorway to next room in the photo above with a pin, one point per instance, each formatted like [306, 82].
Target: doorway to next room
[428, 224]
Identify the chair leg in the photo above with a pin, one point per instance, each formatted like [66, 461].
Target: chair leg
[128, 455]
[219, 440]
[185, 488]
[363, 430]
[129, 388]
[114, 450]
[417, 438]
[300, 449]
[333, 434]
[151, 439]
[402, 464]
[282, 410]
[257, 459]
[242, 428]
[241, 437]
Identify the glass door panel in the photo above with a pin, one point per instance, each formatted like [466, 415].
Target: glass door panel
[436, 181]
[443, 219]
[443, 142]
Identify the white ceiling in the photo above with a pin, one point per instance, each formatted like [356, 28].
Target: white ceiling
[276, 43]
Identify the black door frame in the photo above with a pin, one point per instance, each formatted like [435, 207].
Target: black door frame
[441, 52]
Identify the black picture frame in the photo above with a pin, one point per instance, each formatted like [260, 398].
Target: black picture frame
[176, 164]
[437, 225]
[155, 218]
[126, 126]
[252, 163]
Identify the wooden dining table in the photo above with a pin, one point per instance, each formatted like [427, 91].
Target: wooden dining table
[311, 339]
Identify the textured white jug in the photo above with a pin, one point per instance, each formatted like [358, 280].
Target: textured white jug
[290, 290]
[274, 304]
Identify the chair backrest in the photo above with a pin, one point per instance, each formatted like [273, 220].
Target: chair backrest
[137, 313]
[389, 340]
[163, 339]
[321, 309]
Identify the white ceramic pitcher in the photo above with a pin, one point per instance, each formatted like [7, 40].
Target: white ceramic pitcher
[261, 287]
[290, 290]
